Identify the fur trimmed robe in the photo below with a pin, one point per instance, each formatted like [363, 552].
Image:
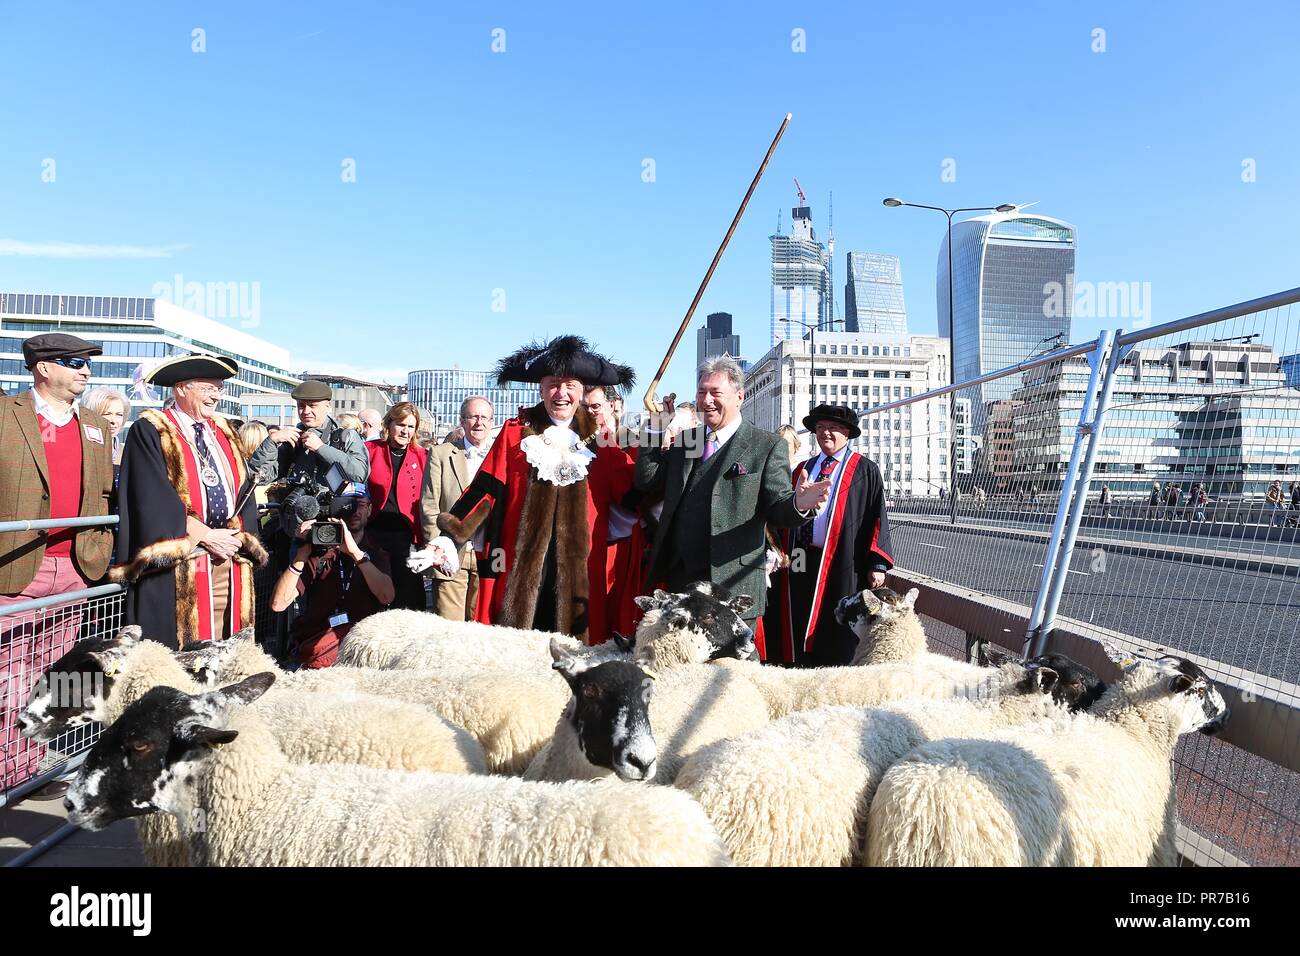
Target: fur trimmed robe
[159, 488]
[522, 516]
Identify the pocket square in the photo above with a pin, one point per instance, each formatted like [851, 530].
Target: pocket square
[736, 470]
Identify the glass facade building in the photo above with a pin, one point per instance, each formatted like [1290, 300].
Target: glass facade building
[873, 294]
[716, 338]
[801, 282]
[136, 331]
[441, 390]
[1210, 412]
[1012, 296]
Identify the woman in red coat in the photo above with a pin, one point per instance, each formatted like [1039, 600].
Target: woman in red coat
[396, 475]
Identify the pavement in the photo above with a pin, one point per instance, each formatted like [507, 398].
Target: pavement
[28, 822]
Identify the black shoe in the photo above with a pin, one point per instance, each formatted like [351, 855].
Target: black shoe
[51, 791]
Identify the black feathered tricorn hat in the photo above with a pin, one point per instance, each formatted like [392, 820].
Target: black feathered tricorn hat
[568, 356]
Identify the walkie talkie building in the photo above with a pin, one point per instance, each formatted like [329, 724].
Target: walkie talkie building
[1013, 290]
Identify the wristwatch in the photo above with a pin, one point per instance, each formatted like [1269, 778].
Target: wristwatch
[365, 556]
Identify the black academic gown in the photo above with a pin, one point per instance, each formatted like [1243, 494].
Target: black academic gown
[799, 624]
[165, 596]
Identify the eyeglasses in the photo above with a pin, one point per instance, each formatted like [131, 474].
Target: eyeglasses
[77, 362]
[476, 418]
[207, 389]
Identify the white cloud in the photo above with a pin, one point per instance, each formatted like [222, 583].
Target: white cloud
[77, 250]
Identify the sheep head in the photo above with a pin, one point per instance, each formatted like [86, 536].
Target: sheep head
[1069, 683]
[701, 624]
[73, 690]
[141, 763]
[609, 713]
[885, 622]
[1182, 687]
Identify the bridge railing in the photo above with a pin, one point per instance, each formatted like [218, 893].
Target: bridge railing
[1030, 557]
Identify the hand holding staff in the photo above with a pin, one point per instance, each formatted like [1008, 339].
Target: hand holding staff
[651, 403]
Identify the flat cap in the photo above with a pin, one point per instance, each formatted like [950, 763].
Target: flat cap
[311, 391]
[184, 368]
[54, 345]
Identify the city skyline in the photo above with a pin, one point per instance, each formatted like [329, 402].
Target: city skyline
[466, 163]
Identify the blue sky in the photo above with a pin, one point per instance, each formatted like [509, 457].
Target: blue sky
[522, 171]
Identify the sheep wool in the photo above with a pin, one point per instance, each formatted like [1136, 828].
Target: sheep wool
[361, 816]
[796, 792]
[1098, 793]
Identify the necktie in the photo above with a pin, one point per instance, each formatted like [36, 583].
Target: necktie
[806, 531]
[218, 507]
[710, 445]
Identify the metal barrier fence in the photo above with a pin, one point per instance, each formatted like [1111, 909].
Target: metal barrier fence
[1209, 571]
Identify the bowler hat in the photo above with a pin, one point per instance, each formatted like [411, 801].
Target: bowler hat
[840, 414]
[184, 368]
[311, 391]
[49, 346]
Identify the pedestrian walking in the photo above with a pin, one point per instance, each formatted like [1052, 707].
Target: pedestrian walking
[1273, 500]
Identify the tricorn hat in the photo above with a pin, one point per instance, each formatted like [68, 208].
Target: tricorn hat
[568, 356]
[841, 414]
[183, 368]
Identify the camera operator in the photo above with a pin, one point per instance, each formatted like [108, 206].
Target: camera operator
[317, 443]
[335, 586]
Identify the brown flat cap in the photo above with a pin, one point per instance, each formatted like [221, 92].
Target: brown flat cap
[55, 345]
[311, 391]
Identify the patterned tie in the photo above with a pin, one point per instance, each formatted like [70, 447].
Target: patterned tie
[710, 445]
[218, 507]
[805, 535]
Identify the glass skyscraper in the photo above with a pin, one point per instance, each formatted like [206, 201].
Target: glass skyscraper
[873, 294]
[801, 284]
[1013, 296]
[441, 390]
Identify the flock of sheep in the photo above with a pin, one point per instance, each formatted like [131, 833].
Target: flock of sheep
[435, 742]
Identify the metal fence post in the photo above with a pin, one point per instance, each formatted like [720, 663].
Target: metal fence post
[1080, 502]
[1095, 359]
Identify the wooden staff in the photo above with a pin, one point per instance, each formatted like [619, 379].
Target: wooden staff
[651, 403]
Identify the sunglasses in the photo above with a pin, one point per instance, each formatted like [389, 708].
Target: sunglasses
[76, 362]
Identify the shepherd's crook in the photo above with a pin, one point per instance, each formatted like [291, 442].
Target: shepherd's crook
[652, 403]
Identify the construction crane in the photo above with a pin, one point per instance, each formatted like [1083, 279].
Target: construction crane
[803, 200]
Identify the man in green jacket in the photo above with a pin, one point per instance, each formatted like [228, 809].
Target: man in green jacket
[722, 483]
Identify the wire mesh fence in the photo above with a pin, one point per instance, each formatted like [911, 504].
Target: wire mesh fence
[1188, 543]
[1186, 535]
[30, 641]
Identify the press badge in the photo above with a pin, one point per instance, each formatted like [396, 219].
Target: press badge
[339, 619]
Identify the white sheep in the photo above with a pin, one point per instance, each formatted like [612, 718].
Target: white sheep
[1099, 793]
[891, 663]
[220, 772]
[684, 709]
[345, 727]
[796, 792]
[418, 640]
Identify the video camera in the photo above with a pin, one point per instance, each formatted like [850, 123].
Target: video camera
[303, 498]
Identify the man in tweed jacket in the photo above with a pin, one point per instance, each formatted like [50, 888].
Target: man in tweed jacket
[56, 461]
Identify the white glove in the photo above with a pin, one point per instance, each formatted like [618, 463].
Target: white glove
[773, 562]
[420, 561]
[446, 557]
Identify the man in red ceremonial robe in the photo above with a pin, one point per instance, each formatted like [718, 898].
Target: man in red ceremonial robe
[843, 550]
[542, 497]
[185, 502]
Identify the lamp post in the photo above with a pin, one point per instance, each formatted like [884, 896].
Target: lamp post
[893, 203]
[812, 350]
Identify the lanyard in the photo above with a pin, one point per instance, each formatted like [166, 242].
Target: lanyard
[346, 570]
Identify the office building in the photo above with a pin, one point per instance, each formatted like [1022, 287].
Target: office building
[715, 338]
[1012, 296]
[136, 334]
[801, 292]
[873, 294]
[440, 391]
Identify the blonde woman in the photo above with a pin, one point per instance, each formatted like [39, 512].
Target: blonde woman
[792, 441]
[348, 420]
[114, 407]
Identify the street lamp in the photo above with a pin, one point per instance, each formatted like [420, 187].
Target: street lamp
[894, 202]
[812, 348]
